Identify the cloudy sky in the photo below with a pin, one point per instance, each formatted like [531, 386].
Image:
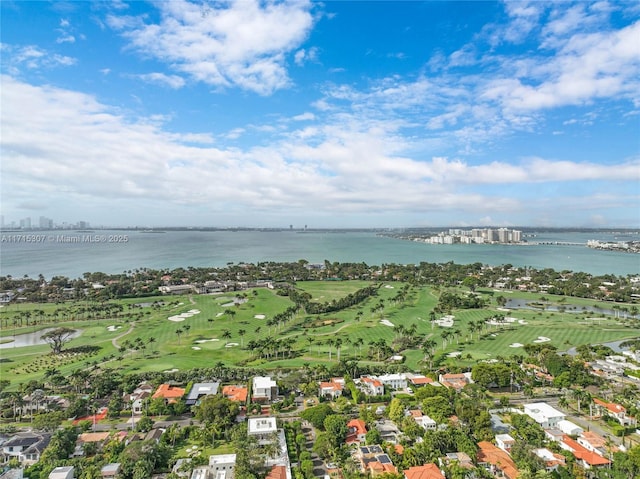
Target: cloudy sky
[336, 114]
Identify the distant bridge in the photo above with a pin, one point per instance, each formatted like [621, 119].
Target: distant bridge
[557, 243]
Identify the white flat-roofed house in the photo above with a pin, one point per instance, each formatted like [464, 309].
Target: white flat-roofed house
[569, 428]
[546, 416]
[200, 473]
[264, 388]
[395, 381]
[262, 428]
[178, 289]
[427, 423]
[222, 466]
[551, 460]
[505, 442]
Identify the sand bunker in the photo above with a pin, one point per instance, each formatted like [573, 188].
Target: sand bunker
[174, 370]
[541, 339]
[200, 341]
[219, 314]
[516, 345]
[259, 316]
[445, 321]
[386, 322]
[508, 319]
[235, 301]
[196, 348]
[388, 286]
[522, 321]
[231, 345]
[183, 316]
[113, 328]
[454, 354]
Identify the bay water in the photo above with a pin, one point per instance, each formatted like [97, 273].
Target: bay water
[129, 250]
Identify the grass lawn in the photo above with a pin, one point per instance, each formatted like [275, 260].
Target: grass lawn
[155, 343]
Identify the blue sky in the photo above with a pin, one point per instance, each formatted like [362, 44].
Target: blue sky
[335, 114]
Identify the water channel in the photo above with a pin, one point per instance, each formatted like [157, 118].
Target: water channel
[29, 339]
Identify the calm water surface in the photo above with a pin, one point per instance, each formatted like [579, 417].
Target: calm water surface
[216, 248]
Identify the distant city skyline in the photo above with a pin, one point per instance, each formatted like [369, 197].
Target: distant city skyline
[331, 114]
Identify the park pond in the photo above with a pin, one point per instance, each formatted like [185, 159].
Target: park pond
[29, 339]
[566, 308]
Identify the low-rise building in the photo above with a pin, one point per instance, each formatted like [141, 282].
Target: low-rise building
[110, 471]
[370, 386]
[428, 471]
[331, 389]
[222, 466]
[264, 389]
[62, 472]
[455, 381]
[356, 431]
[26, 447]
[496, 461]
[505, 442]
[394, 381]
[569, 428]
[137, 397]
[546, 416]
[584, 457]
[201, 389]
[262, 428]
[169, 393]
[551, 460]
[235, 393]
[617, 411]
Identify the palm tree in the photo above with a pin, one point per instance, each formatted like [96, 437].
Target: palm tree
[338, 343]
[446, 334]
[428, 348]
[330, 343]
[226, 334]
[178, 333]
[241, 333]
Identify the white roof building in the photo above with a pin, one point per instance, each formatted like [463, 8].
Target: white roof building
[258, 426]
[543, 414]
[396, 381]
[569, 428]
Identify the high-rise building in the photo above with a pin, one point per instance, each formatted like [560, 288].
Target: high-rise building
[45, 223]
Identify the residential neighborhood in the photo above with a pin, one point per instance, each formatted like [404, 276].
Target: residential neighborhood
[399, 425]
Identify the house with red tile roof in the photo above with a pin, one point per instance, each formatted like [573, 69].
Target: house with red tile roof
[455, 381]
[419, 379]
[169, 393]
[377, 468]
[235, 393]
[428, 471]
[356, 431]
[370, 386]
[331, 389]
[618, 411]
[596, 443]
[584, 457]
[496, 460]
[277, 472]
